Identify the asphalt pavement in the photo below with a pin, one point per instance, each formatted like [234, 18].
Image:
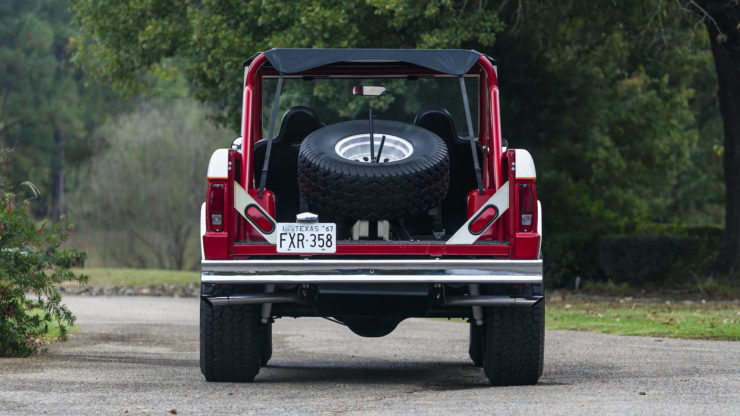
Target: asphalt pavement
[139, 355]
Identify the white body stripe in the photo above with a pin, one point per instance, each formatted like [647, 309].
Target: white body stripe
[524, 165]
[202, 229]
[218, 167]
[539, 224]
[500, 199]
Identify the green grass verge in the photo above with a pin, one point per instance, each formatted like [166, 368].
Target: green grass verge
[719, 321]
[138, 277]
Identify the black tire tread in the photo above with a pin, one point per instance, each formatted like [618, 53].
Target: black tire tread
[514, 346]
[230, 342]
[372, 192]
[266, 343]
[476, 344]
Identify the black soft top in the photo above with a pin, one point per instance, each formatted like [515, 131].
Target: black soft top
[447, 61]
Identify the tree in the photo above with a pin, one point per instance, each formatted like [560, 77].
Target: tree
[31, 264]
[722, 20]
[143, 192]
[48, 108]
[601, 93]
[128, 43]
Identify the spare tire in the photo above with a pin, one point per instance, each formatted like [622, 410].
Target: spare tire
[338, 180]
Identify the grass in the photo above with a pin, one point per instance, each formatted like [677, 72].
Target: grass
[138, 277]
[719, 321]
[51, 329]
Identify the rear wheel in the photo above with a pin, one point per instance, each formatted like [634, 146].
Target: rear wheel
[231, 340]
[514, 344]
[266, 343]
[477, 341]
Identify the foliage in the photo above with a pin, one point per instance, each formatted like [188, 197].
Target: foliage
[127, 42]
[145, 190]
[615, 101]
[31, 262]
[710, 239]
[48, 107]
[649, 258]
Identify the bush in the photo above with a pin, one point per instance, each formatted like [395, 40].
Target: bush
[644, 258]
[710, 240]
[31, 263]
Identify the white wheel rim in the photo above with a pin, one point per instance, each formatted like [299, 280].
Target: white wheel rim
[357, 148]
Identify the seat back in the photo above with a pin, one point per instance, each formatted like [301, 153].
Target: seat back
[282, 174]
[462, 175]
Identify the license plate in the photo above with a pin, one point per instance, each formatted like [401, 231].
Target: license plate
[306, 238]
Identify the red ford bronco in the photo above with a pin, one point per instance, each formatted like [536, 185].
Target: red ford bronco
[385, 192]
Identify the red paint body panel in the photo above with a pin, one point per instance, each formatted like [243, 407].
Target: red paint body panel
[216, 246]
[527, 246]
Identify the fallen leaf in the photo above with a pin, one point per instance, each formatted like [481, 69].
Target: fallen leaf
[173, 411]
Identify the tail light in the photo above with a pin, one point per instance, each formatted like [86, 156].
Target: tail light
[216, 207]
[260, 219]
[526, 207]
[481, 222]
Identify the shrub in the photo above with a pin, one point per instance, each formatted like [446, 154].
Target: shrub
[710, 240]
[31, 264]
[648, 257]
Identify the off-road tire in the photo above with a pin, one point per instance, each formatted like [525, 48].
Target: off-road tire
[266, 343]
[230, 342]
[476, 343]
[514, 346]
[335, 187]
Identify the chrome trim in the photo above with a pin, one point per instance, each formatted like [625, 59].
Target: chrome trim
[491, 301]
[257, 298]
[371, 271]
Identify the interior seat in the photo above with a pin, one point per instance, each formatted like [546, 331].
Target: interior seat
[282, 173]
[462, 176]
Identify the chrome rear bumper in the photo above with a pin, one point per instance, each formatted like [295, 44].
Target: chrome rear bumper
[371, 271]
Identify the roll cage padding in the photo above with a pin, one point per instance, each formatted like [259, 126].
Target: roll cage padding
[462, 178]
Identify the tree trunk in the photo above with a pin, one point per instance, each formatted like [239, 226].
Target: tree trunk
[724, 35]
[57, 175]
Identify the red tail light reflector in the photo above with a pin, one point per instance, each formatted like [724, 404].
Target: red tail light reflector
[481, 222]
[526, 207]
[260, 219]
[216, 207]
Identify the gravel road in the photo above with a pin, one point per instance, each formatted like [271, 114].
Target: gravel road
[139, 355]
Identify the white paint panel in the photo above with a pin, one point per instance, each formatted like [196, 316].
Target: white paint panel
[524, 165]
[539, 224]
[202, 229]
[218, 167]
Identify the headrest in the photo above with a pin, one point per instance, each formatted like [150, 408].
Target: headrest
[437, 120]
[298, 122]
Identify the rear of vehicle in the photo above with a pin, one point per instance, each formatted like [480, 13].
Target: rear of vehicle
[384, 192]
